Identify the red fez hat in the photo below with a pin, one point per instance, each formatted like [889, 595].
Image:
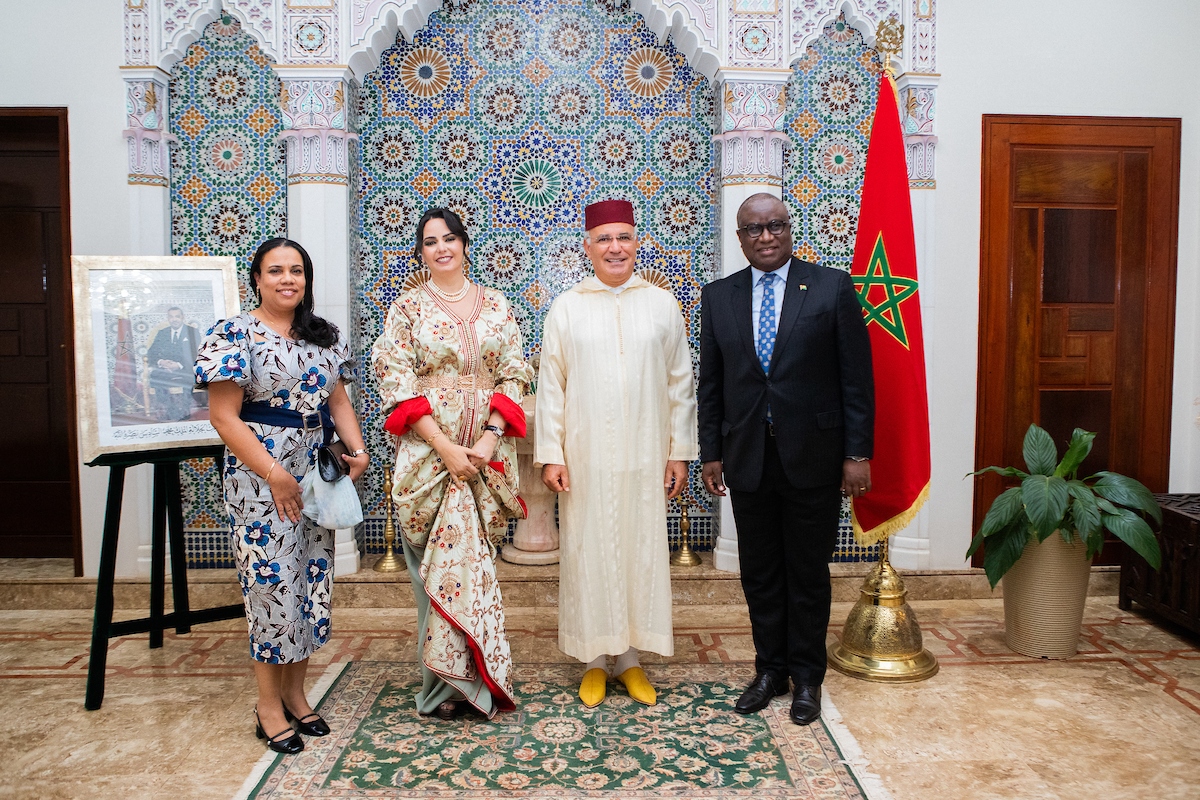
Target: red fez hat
[607, 211]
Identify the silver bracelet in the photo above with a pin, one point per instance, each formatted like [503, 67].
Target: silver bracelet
[360, 451]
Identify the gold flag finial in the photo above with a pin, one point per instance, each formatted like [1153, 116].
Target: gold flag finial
[390, 562]
[684, 556]
[889, 41]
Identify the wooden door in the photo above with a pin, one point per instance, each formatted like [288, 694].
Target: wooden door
[38, 481]
[1077, 291]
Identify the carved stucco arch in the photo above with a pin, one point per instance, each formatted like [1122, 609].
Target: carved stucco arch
[407, 17]
[208, 12]
[861, 19]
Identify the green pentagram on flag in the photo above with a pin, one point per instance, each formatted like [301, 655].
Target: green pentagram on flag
[886, 313]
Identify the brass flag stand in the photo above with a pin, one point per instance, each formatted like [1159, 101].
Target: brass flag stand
[881, 640]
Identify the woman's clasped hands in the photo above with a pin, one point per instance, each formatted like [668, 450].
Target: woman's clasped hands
[464, 463]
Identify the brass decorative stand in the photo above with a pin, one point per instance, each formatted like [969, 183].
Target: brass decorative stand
[881, 641]
[389, 562]
[685, 556]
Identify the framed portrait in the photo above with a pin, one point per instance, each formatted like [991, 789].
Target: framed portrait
[138, 323]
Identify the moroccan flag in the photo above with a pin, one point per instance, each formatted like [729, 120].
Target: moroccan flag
[124, 377]
[885, 277]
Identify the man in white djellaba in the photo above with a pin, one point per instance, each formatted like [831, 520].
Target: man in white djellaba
[615, 428]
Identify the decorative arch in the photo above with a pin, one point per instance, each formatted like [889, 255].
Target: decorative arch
[809, 24]
[692, 25]
[182, 24]
[377, 23]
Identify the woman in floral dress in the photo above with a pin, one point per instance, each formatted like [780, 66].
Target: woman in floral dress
[451, 377]
[276, 379]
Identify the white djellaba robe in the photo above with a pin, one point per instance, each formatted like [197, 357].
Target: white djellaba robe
[615, 402]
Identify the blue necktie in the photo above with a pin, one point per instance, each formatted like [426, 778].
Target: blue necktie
[766, 321]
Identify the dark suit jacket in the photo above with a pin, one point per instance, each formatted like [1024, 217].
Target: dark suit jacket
[183, 351]
[820, 386]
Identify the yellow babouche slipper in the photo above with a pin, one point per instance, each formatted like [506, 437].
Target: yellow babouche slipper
[592, 687]
[638, 687]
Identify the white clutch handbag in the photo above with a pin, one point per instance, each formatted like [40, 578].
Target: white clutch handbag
[330, 504]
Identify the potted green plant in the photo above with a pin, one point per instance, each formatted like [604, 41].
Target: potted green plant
[1046, 575]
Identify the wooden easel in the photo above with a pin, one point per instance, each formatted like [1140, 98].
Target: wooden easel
[167, 519]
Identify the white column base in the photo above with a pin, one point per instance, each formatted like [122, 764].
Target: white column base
[319, 219]
[725, 550]
[134, 544]
[345, 553]
[909, 549]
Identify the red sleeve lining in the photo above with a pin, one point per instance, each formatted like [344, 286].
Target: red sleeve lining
[514, 415]
[400, 421]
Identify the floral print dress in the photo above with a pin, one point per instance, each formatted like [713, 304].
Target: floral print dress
[429, 360]
[285, 567]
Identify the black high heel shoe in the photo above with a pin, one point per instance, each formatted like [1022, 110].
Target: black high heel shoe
[290, 746]
[315, 727]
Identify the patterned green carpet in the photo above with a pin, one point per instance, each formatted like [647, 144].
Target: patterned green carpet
[691, 744]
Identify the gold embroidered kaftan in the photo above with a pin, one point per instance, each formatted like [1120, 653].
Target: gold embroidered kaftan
[428, 360]
[615, 402]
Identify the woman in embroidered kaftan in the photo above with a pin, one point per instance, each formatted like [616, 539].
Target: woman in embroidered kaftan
[451, 377]
[269, 372]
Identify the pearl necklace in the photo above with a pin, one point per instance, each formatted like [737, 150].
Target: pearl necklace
[449, 297]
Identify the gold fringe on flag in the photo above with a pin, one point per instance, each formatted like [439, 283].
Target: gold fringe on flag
[892, 526]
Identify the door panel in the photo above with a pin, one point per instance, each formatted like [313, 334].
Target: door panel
[36, 389]
[1077, 291]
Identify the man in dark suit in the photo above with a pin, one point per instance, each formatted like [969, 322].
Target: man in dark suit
[171, 356]
[786, 414]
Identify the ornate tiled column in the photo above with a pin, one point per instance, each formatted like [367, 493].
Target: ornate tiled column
[149, 160]
[750, 150]
[316, 110]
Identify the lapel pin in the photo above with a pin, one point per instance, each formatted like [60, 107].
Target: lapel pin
[803, 287]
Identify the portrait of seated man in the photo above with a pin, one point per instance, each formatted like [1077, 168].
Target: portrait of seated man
[171, 356]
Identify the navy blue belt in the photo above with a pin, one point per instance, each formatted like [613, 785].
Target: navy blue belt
[264, 413]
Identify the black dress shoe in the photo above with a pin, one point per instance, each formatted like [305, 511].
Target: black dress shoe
[288, 746]
[806, 705]
[759, 693]
[311, 725]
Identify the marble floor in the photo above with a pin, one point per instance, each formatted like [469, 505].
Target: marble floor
[1120, 720]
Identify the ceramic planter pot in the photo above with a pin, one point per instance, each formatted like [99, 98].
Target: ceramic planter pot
[1044, 593]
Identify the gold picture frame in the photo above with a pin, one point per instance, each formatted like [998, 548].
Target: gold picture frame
[138, 320]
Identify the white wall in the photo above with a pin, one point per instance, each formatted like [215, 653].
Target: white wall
[1085, 57]
[67, 53]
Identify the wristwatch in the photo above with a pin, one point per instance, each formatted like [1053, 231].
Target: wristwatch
[494, 429]
[360, 451]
